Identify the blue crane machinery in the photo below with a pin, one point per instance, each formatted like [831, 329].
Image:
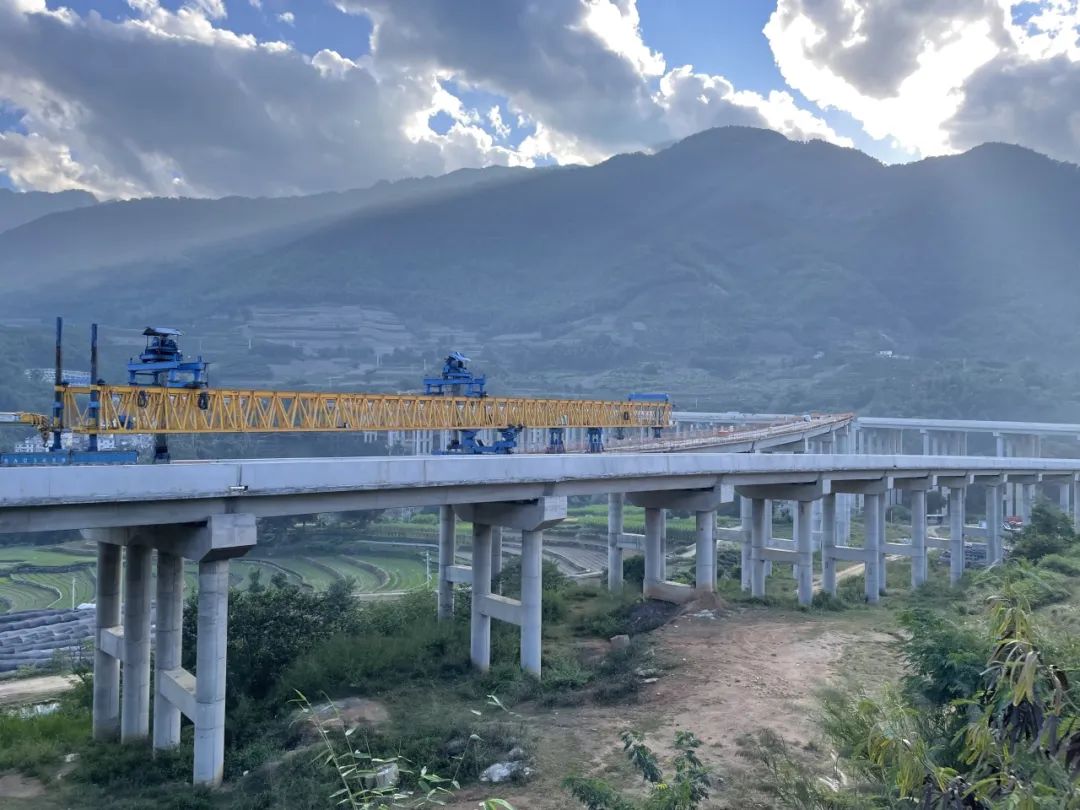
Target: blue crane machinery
[167, 393]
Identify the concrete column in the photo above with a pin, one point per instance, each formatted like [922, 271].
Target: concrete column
[872, 527]
[815, 523]
[1063, 498]
[768, 535]
[746, 521]
[993, 525]
[1027, 495]
[654, 548]
[447, 553]
[804, 544]
[106, 722]
[168, 634]
[793, 510]
[531, 591]
[706, 551]
[480, 630]
[135, 697]
[496, 557]
[918, 537]
[956, 534]
[828, 543]
[663, 545]
[1076, 505]
[925, 442]
[614, 536]
[760, 519]
[882, 539]
[210, 652]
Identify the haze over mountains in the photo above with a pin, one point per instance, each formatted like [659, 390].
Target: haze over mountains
[730, 247]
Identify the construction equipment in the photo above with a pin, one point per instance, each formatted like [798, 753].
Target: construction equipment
[52, 429]
[167, 394]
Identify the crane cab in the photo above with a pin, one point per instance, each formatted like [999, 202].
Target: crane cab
[162, 363]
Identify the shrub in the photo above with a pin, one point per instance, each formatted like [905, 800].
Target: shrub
[1050, 531]
[1069, 566]
[634, 569]
[946, 659]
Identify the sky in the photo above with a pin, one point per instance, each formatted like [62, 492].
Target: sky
[132, 98]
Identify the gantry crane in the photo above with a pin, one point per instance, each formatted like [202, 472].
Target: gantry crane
[168, 394]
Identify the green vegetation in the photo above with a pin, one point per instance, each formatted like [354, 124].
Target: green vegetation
[687, 788]
[434, 716]
[986, 716]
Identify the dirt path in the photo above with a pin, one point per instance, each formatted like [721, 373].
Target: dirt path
[34, 690]
[734, 676]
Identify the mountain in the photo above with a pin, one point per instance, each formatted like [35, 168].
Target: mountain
[735, 252]
[17, 208]
[79, 241]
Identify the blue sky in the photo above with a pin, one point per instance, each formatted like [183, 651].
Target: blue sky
[127, 98]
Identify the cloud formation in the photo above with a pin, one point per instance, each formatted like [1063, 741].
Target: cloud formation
[171, 101]
[937, 76]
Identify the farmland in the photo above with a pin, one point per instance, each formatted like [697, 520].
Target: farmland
[34, 577]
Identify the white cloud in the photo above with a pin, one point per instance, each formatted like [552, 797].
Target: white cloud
[936, 76]
[287, 17]
[173, 102]
[578, 68]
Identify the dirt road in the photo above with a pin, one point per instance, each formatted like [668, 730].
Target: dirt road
[34, 690]
[734, 675]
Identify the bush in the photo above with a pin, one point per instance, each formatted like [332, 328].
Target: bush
[946, 659]
[1069, 566]
[1050, 531]
[270, 628]
[634, 569]
[1035, 585]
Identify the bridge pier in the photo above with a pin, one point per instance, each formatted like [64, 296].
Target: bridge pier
[828, 544]
[957, 493]
[872, 508]
[530, 518]
[447, 555]
[168, 640]
[918, 537]
[106, 713]
[703, 503]
[135, 697]
[799, 551]
[176, 691]
[746, 522]
[614, 548]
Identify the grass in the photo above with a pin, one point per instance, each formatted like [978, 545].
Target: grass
[16, 595]
[60, 583]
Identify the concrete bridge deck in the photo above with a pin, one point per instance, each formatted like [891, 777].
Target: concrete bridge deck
[52, 498]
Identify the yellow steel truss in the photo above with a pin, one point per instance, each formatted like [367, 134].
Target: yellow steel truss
[137, 409]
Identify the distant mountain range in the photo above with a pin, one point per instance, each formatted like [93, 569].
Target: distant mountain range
[731, 248]
[18, 209]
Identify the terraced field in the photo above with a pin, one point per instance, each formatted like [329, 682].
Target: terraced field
[60, 584]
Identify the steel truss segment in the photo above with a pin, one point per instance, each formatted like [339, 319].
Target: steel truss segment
[150, 409]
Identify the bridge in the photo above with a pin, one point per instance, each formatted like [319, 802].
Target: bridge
[207, 511]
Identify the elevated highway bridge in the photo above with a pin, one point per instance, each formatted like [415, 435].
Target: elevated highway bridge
[154, 517]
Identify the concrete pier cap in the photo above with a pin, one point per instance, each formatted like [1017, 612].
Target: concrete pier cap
[689, 500]
[527, 516]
